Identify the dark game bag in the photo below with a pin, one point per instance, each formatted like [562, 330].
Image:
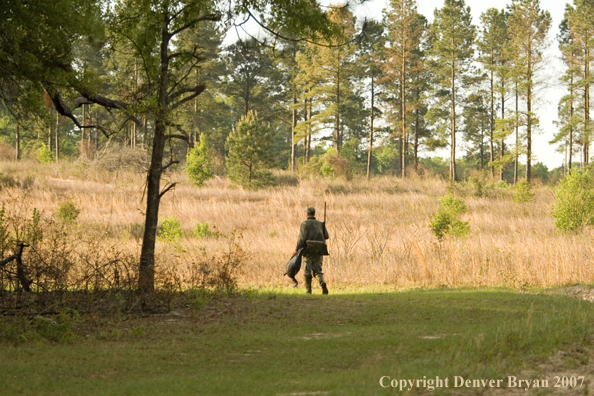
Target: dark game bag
[293, 266]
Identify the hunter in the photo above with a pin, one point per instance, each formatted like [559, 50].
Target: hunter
[312, 237]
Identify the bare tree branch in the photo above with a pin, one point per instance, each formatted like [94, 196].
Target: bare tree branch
[164, 168]
[176, 136]
[169, 187]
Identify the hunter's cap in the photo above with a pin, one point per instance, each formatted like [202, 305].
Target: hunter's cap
[310, 211]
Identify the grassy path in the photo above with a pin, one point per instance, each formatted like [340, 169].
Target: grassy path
[279, 344]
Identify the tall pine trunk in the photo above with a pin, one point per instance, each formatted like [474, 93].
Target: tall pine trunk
[403, 113]
[586, 142]
[337, 137]
[18, 142]
[529, 122]
[491, 123]
[517, 137]
[503, 137]
[369, 152]
[294, 136]
[57, 143]
[453, 126]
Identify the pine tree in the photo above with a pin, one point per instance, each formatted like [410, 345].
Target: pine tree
[477, 125]
[451, 56]
[250, 154]
[406, 28]
[494, 38]
[308, 81]
[286, 63]
[329, 69]
[248, 81]
[528, 28]
[567, 110]
[372, 56]
[580, 28]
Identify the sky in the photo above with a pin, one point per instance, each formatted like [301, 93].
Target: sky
[547, 109]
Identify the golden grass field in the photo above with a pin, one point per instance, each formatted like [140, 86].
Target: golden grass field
[379, 230]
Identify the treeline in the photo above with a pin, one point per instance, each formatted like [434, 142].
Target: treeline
[366, 101]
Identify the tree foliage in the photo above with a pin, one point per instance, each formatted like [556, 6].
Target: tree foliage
[250, 156]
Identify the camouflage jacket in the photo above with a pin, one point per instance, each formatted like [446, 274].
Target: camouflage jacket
[311, 230]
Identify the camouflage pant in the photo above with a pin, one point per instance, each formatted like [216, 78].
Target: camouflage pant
[313, 267]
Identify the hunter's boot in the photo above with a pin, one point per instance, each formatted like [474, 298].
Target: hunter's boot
[322, 283]
[308, 285]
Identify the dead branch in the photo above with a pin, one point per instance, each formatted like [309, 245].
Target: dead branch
[25, 283]
[169, 187]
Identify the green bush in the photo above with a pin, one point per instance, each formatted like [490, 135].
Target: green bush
[199, 168]
[446, 220]
[478, 184]
[67, 212]
[44, 154]
[523, 192]
[202, 231]
[574, 204]
[170, 230]
[57, 330]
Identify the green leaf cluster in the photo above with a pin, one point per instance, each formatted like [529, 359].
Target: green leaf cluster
[446, 220]
[574, 202]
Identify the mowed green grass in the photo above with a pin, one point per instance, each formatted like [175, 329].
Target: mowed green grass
[292, 344]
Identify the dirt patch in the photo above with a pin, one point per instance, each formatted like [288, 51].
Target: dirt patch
[581, 292]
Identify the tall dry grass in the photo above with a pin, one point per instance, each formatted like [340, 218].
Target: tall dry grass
[379, 230]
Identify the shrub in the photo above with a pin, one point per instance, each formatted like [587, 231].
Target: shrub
[202, 231]
[67, 212]
[523, 192]
[501, 184]
[44, 154]
[199, 167]
[33, 230]
[478, 184]
[170, 230]
[446, 220]
[59, 330]
[574, 204]
[334, 165]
